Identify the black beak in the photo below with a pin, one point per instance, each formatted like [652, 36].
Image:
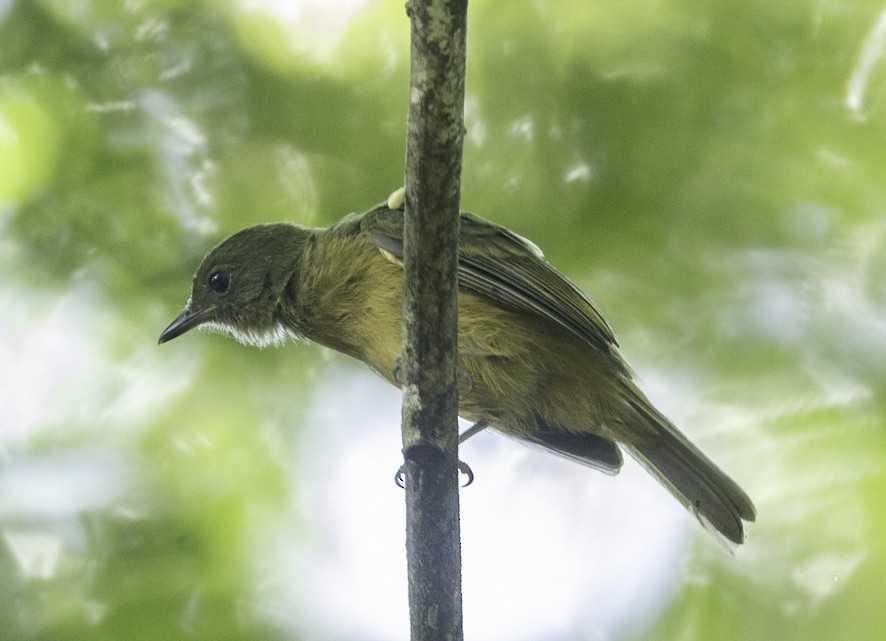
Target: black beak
[188, 320]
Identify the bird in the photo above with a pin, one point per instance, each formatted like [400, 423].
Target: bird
[537, 359]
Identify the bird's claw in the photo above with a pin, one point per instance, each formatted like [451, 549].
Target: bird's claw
[464, 468]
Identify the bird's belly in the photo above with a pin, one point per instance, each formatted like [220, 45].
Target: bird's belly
[514, 370]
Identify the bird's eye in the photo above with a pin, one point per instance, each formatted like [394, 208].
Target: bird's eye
[219, 281]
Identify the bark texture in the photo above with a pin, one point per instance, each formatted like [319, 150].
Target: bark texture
[429, 364]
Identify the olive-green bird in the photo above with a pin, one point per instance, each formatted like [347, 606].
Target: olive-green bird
[539, 361]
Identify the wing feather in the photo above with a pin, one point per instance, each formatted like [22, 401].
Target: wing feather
[510, 271]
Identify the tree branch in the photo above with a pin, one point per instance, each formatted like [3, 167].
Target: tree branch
[435, 133]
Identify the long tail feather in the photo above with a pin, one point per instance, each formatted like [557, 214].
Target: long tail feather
[694, 480]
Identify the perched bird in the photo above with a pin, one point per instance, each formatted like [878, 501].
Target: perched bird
[538, 360]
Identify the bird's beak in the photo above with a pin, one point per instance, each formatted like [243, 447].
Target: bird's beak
[188, 320]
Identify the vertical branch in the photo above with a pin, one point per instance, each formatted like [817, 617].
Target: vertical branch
[430, 393]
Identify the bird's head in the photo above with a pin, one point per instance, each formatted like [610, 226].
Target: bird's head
[238, 286]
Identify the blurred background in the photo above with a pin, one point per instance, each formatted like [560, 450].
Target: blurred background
[712, 173]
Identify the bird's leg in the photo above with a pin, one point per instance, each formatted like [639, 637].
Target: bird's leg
[464, 468]
[468, 380]
[479, 426]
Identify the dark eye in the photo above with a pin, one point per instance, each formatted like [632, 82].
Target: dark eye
[219, 281]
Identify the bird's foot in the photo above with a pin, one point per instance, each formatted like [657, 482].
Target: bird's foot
[464, 468]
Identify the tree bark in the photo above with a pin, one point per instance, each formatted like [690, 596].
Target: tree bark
[435, 132]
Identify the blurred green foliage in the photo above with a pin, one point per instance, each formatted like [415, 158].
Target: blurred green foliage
[712, 172]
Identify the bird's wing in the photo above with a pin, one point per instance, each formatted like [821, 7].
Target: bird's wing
[508, 270]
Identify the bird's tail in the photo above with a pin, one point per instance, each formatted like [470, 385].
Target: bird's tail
[707, 492]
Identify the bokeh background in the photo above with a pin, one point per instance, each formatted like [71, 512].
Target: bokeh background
[712, 173]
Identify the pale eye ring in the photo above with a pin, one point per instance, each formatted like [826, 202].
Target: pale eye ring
[219, 281]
